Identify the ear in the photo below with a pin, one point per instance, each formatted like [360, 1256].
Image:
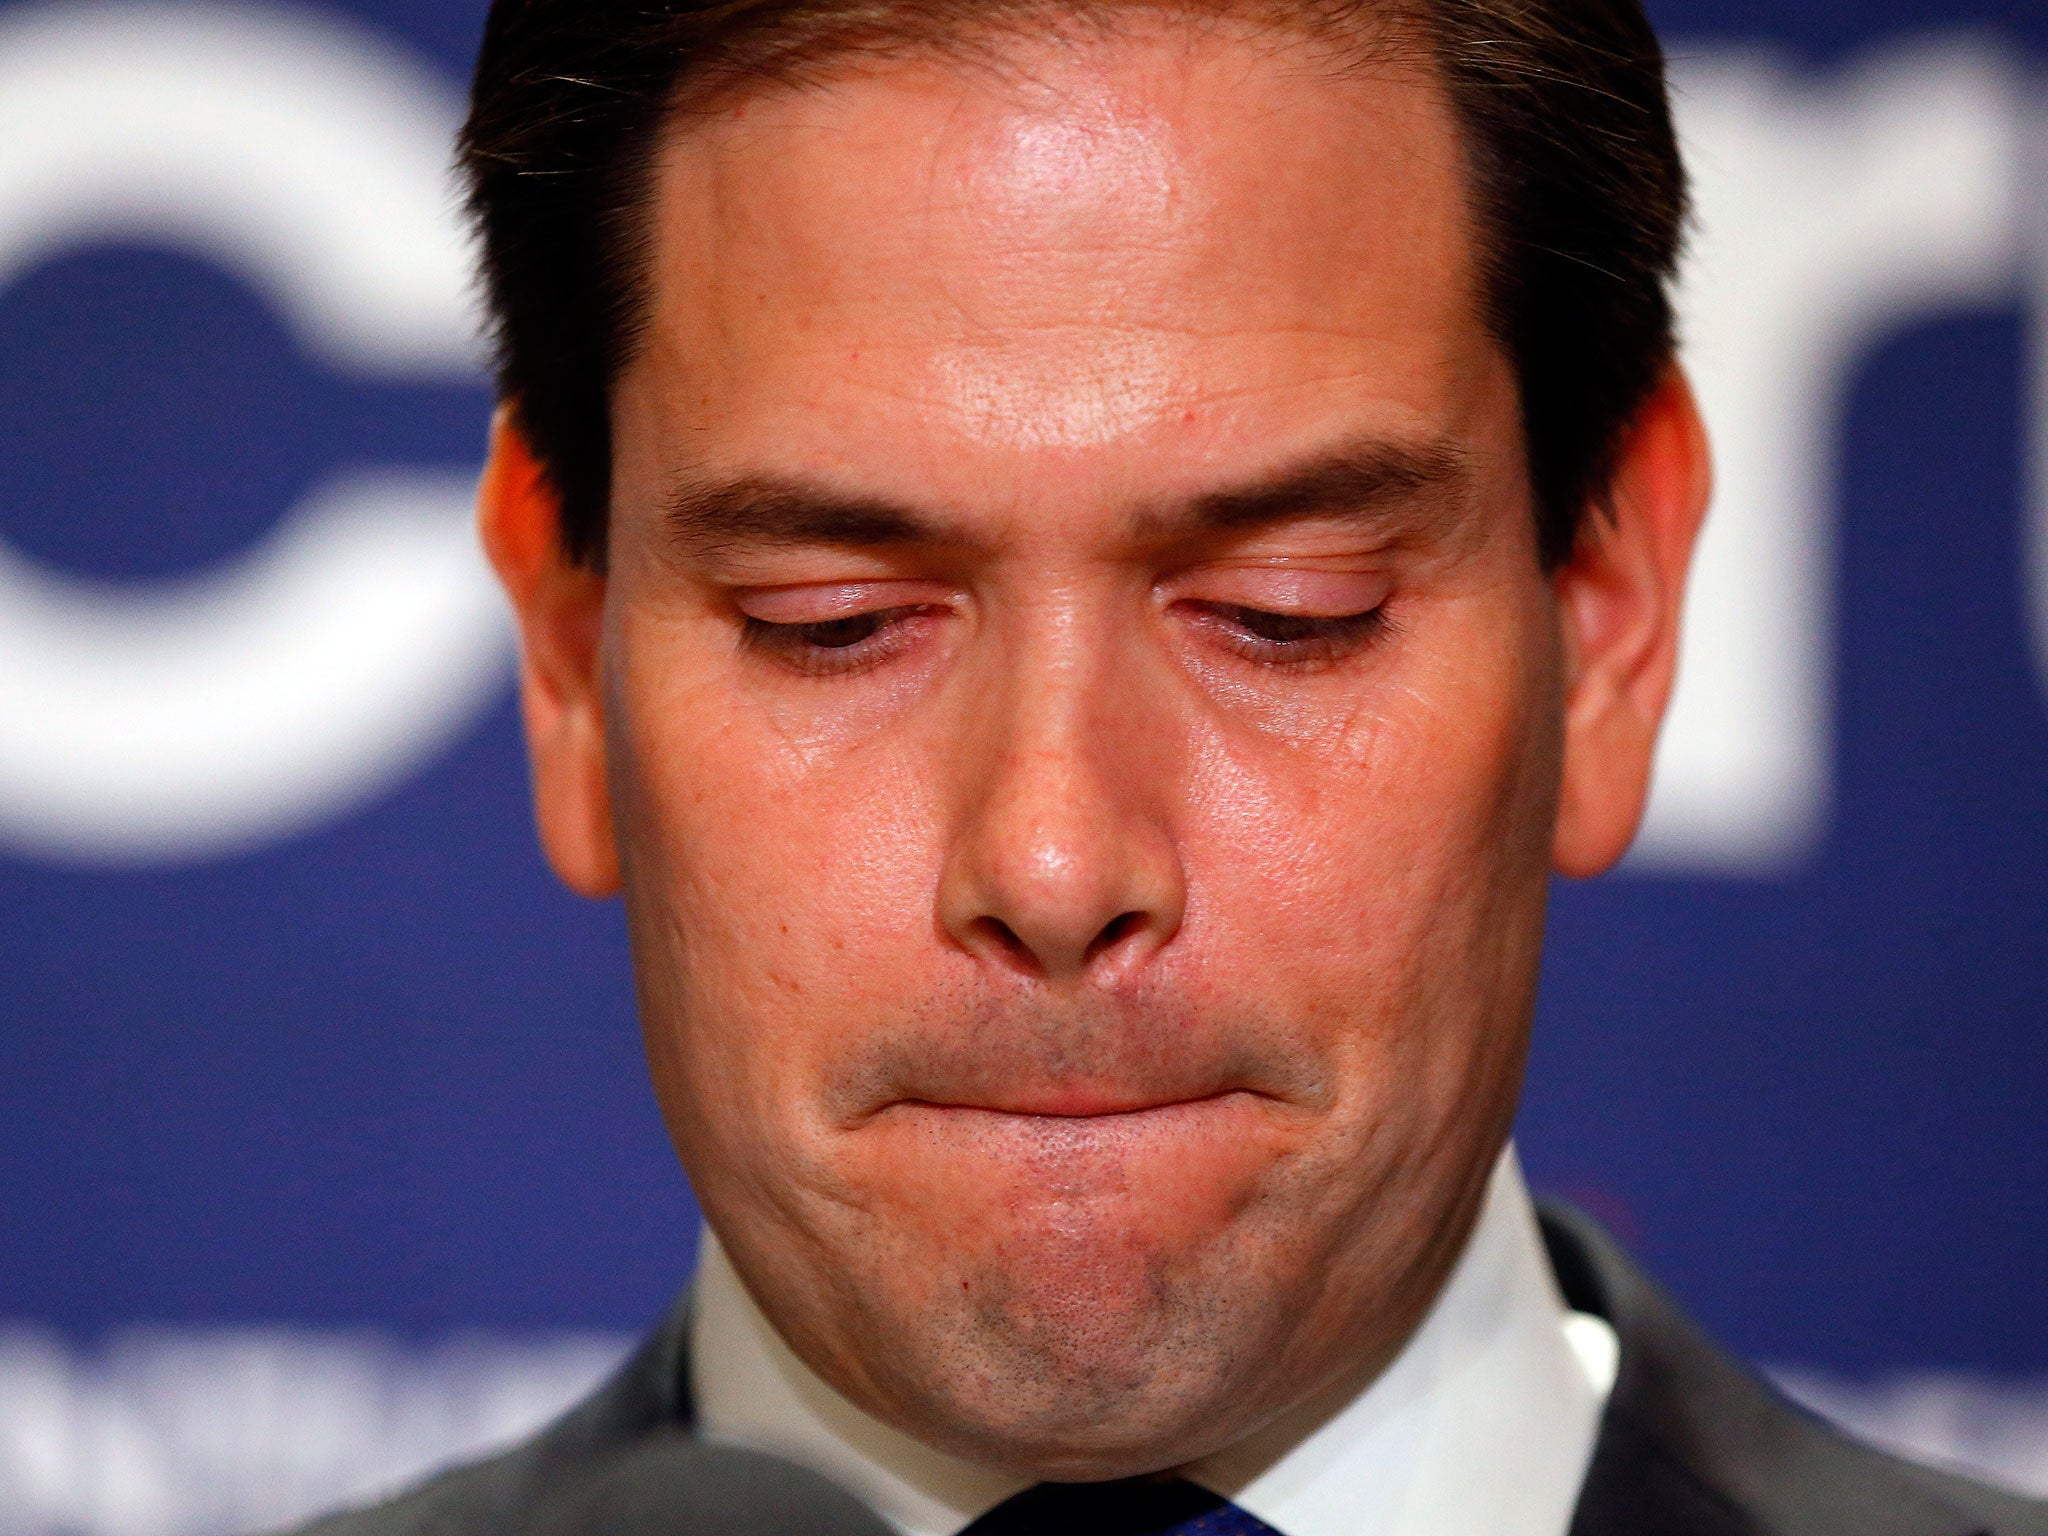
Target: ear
[1618, 598]
[559, 608]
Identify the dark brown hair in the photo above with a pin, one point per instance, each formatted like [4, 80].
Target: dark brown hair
[1580, 193]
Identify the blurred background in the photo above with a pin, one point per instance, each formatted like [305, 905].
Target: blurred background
[325, 1147]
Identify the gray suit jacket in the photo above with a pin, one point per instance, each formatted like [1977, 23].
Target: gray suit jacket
[1692, 1444]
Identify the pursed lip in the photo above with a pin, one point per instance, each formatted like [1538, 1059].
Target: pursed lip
[1047, 1068]
[1079, 1102]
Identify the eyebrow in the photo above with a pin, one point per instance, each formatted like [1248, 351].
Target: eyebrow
[708, 517]
[1364, 480]
[1356, 481]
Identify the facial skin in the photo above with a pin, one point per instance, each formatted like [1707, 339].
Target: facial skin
[1080, 724]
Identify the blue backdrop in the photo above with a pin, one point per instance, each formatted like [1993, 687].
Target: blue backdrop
[374, 1067]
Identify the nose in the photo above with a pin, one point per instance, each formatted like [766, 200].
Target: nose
[1062, 864]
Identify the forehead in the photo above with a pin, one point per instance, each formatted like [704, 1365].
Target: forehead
[1130, 249]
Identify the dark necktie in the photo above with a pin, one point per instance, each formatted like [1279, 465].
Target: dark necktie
[1137, 1506]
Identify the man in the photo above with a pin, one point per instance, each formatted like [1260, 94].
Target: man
[1079, 565]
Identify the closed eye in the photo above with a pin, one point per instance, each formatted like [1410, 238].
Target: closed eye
[844, 643]
[1288, 639]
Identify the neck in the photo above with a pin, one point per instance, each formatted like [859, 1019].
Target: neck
[1498, 1374]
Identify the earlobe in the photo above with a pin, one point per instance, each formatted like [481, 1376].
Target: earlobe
[1619, 598]
[559, 609]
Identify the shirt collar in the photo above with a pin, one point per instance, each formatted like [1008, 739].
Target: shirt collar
[1499, 1376]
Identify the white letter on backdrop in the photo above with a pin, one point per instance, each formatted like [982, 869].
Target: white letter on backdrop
[192, 717]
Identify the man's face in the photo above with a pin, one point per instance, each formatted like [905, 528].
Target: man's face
[1082, 715]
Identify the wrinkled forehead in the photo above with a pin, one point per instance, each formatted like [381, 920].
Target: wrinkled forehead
[1080, 240]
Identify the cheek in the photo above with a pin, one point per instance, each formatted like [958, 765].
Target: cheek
[770, 878]
[1384, 861]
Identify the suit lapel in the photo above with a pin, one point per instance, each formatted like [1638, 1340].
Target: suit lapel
[1693, 1443]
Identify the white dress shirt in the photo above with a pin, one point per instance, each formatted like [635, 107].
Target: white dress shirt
[1482, 1425]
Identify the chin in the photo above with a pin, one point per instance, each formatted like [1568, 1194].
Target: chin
[1080, 1345]
[1080, 1425]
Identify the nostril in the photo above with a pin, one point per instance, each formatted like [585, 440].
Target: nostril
[1002, 938]
[1115, 931]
